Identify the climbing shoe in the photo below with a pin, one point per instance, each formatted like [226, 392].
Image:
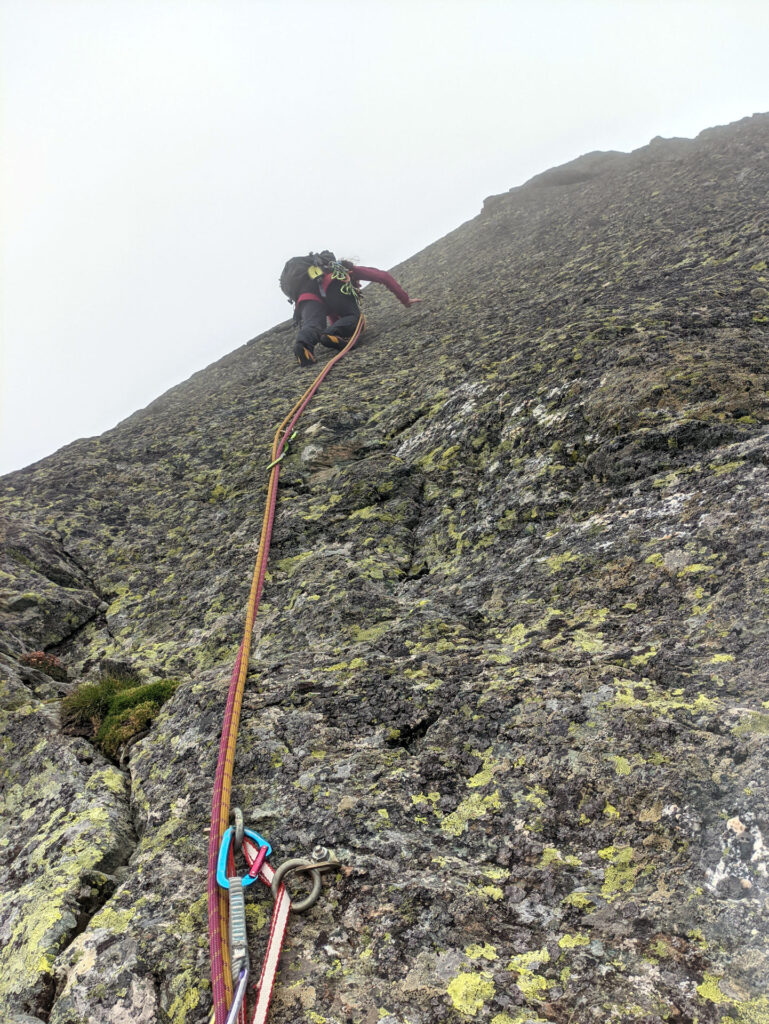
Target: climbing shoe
[304, 354]
[333, 341]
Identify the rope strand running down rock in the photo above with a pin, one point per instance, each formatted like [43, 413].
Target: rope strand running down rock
[220, 809]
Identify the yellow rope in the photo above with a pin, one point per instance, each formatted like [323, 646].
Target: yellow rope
[223, 904]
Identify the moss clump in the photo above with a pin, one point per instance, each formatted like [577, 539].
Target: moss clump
[117, 730]
[115, 709]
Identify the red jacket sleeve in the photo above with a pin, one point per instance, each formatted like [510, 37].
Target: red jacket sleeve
[380, 277]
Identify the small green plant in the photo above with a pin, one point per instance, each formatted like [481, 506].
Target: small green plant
[47, 663]
[117, 730]
[116, 709]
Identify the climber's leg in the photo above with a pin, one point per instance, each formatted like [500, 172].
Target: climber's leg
[311, 318]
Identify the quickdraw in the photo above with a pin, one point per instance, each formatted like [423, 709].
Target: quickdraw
[255, 851]
[340, 273]
[283, 454]
[337, 272]
[229, 962]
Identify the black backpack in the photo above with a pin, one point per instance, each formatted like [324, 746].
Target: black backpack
[294, 278]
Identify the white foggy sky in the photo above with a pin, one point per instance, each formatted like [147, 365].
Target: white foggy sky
[162, 158]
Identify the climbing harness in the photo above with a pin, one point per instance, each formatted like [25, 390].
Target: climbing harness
[325, 273]
[228, 945]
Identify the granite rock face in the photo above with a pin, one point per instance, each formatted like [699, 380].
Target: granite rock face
[512, 664]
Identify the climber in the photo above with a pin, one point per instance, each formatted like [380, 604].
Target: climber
[326, 289]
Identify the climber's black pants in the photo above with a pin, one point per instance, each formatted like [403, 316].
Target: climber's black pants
[311, 316]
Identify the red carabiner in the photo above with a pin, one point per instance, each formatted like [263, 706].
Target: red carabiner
[254, 860]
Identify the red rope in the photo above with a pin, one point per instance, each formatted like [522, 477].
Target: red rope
[220, 808]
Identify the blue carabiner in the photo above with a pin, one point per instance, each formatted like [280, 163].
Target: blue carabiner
[224, 849]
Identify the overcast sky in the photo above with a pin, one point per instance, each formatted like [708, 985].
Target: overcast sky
[162, 158]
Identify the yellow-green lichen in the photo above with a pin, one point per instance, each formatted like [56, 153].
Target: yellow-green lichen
[515, 638]
[496, 874]
[638, 660]
[580, 900]
[470, 992]
[490, 892]
[114, 921]
[475, 806]
[524, 1017]
[693, 569]
[710, 989]
[424, 799]
[719, 469]
[749, 1011]
[31, 947]
[508, 520]
[531, 984]
[484, 952]
[187, 998]
[621, 764]
[288, 566]
[193, 919]
[755, 722]
[556, 562]
[550, 856]
[108, 778]
[486, 774]
[621, 872]
[370, 634]
[657, 700]
[586, 641]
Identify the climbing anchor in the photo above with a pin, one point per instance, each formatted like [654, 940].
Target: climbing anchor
[314, 869]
